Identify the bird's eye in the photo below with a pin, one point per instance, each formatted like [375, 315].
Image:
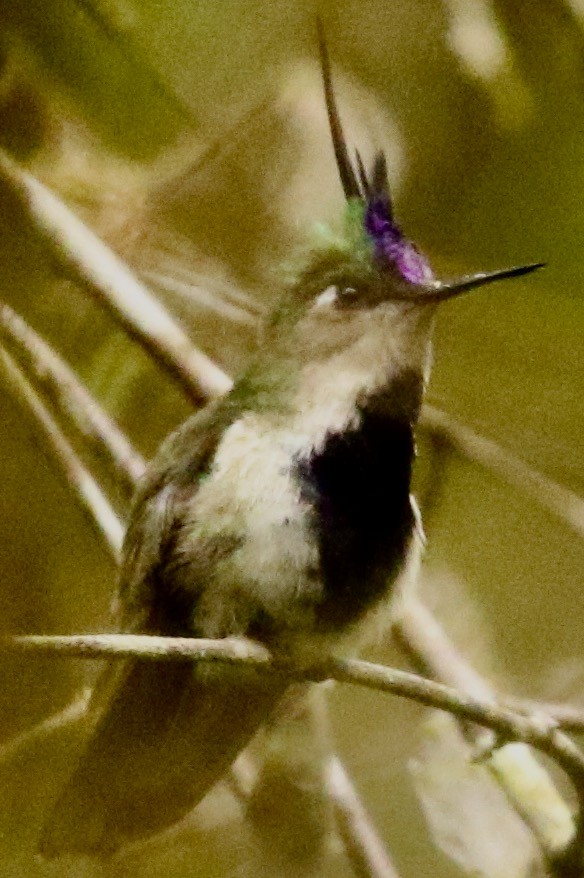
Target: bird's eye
[346, 295]
[336, 294]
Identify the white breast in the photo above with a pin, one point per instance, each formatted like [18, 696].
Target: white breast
[251, 494]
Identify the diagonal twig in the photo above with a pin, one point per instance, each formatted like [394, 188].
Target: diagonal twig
[60, 388]
[95, 505]
[66, 718]
[198, 293]
[84, 258]
[365, 850]
[427, 645]
[565, 504]
[569, 717]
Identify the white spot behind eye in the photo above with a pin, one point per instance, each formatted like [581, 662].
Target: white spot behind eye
[327, 297]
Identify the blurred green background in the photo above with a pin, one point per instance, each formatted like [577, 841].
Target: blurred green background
[193, 138]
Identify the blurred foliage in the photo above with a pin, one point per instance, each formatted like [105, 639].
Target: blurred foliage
[193, 138]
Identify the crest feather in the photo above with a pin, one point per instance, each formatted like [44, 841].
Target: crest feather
[391, 249]
[347, 174]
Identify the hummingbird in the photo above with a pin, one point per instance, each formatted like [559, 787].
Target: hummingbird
[282, 513]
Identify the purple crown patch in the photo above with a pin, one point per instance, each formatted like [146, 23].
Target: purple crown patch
[390, 244]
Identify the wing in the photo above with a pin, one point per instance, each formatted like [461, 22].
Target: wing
[171, 481]
[169, 731]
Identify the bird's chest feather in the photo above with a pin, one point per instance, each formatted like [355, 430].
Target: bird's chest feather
[357, 486]
[251, 502]
[311, 533]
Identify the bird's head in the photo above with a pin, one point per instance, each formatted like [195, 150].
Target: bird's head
[360, 312]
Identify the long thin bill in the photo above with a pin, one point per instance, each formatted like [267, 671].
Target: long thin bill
[444, 291]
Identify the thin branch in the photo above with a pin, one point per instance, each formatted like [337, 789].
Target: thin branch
[167, 194]
[59, 386]
[425, 643]
[538, 731]
[96, 507]
[229, 650]
[86, 260]
[569, 717]
[562, 502]
[198, 293]
[365, 849]
[63, 719]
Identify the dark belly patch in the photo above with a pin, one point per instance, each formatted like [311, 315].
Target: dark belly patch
[358, 486]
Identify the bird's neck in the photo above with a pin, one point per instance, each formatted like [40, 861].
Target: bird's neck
[335, 398]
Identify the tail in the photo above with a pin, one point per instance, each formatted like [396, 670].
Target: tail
[171, 731]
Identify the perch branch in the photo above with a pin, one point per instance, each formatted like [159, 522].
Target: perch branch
[538, 731]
